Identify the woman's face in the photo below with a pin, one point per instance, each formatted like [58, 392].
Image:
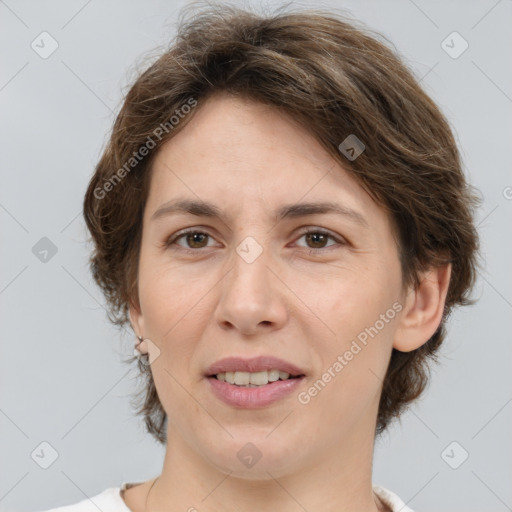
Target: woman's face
[253, 283]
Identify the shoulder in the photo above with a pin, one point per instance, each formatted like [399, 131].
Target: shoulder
[107, 501]
[391, 499]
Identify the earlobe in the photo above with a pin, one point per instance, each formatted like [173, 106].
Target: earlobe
[423, 309]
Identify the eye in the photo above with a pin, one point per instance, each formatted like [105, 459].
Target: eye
[193, 238]
[318, 238]
[196, 240]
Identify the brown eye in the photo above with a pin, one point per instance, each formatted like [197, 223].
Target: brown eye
[317, 239]
[194, 240]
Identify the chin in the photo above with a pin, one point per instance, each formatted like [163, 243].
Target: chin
[253, 456]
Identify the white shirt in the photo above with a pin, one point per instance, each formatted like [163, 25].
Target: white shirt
[110, 500]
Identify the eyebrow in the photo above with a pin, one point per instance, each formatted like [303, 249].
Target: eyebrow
[205, 209]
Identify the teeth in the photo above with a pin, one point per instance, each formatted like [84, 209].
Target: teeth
[242, 378]
[273, 375]
[254, 379]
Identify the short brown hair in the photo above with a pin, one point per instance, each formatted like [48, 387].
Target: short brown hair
[337, 79]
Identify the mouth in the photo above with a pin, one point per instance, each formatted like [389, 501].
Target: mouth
[254, 379]
[255, 371]
[253, 383]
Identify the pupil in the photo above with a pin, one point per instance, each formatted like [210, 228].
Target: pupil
[316, 235]
[196, 237]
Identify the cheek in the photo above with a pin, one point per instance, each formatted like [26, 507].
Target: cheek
[169, 292]
[354, 362]
[174, 320]
[356, 300]
[173, 308]
[361, 313]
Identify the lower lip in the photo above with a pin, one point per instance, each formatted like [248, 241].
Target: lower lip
[253, 398]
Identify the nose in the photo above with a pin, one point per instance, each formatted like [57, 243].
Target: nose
[252, 297]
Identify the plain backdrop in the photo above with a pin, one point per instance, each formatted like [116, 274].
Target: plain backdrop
[62, 382]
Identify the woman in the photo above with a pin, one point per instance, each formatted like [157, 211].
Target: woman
[282, 217]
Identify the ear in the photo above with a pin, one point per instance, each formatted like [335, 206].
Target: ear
[423, 309]
[136, 318]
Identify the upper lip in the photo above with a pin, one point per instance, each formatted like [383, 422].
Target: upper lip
[253, 364]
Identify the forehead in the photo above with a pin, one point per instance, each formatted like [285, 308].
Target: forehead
[246, 156]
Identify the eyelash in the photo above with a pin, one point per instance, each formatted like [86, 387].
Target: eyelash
[174, 238]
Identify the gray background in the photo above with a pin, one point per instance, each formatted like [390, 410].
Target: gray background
[61, 379]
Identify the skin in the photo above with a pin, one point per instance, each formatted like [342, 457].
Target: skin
[305, 307]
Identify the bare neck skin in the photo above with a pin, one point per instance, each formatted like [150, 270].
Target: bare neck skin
[337, 479]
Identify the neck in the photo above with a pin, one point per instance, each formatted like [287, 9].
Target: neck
[333, 478]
